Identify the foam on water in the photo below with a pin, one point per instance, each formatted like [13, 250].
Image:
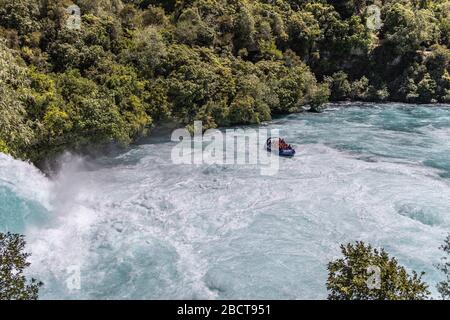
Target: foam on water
[24, 195]
[138, 226]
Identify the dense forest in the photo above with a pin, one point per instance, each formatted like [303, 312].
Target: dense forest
[126, 65]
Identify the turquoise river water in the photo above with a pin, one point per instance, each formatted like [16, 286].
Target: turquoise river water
[135, 225]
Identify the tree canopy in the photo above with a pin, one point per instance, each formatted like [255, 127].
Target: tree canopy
[132, 64]
[13, 261]
[366, 273]
[444, 266]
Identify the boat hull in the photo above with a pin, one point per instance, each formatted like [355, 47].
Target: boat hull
[288, 153]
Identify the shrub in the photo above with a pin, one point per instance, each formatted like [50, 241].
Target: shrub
[444, 286]
[13, 261]
[354, 277]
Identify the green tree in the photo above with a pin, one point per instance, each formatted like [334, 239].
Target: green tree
[426, 89]
[359, 89]
[249, 105]
[408, 30]
[349, 278]
[3, 147]
[16, 133]
[442, 12]
[343, 44]
[146, 52]
[192, 30]
[339, 85]
[304, 31]
[291, 85]
[347, 8]
[21, 15]
[128, 91]
[154, 16]
[444, 286]
[199, 80]
[319, 97]
[244, 29]
[438, 66]
[96, 117]
[13, 261]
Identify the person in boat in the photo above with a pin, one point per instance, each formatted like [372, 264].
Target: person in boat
[282, 145]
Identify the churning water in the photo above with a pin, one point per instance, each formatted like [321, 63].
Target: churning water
[138, 226]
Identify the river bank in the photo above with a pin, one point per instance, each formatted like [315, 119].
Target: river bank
[161, 132]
